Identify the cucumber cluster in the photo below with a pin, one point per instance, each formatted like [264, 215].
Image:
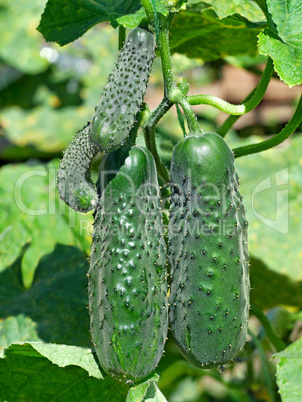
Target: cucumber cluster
[204, 244]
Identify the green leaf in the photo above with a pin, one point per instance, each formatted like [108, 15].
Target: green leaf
[20, 43]
[18, 328]
[54, 309]
[62, 355]
[289, 369]
[39, 372]
[154, 394]
[283, 40]
[138, 393]
[270, 289]
[133, 20]
[32, 215]
[271, 184]
[246, 8]
[67, 23]
[199, 32]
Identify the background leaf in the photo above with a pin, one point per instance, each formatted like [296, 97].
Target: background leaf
[26, 375]
[36, 218]
[283, 40]
[199, 32]
[54, 309]
[270, 289]
[245, 8]
[289, 369]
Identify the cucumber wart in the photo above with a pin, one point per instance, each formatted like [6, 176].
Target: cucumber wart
[208, 252]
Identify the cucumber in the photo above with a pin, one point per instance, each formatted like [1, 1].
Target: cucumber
[123, 95]
[208, 252]
[73, 177]
[127, 278]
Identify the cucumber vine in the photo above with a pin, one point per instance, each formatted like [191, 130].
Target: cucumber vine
[173, 94]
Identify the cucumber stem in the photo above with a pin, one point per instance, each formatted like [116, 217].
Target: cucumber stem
[165, 54]
[149, 10]
[121, 36]
[149, 133]
[190, 115]
[288, 130]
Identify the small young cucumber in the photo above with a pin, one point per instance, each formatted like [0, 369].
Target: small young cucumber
[123, 95]
[73, 177]
[127, 279]
[208, 252]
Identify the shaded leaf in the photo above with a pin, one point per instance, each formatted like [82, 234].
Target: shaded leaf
[289, 369]
[54, 309]
[31, 214]
[270, 289]
[283, 40]
[27, 375]
[67, 23]
[199, 32]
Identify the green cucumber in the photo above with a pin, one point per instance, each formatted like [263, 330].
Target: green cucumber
[127, 279]
[73, 177]
[208, 252]
[123, 95]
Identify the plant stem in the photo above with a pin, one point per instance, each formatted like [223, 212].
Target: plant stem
[121, 36]
[158, 113]
[149, 133]
[267, 376]
[149, 10]
[190, 115]
[181, 120]
[249, 103]
[272, 336]
[289, 129]
[165, 55]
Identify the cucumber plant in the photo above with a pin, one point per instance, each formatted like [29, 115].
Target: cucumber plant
[206, 227]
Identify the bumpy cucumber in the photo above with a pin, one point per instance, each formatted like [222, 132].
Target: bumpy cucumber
[73, 177]
[127, 276]
[123, 95]
[208, 252]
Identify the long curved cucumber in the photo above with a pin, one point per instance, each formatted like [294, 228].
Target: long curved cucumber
[127, 281]
[208, 252]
